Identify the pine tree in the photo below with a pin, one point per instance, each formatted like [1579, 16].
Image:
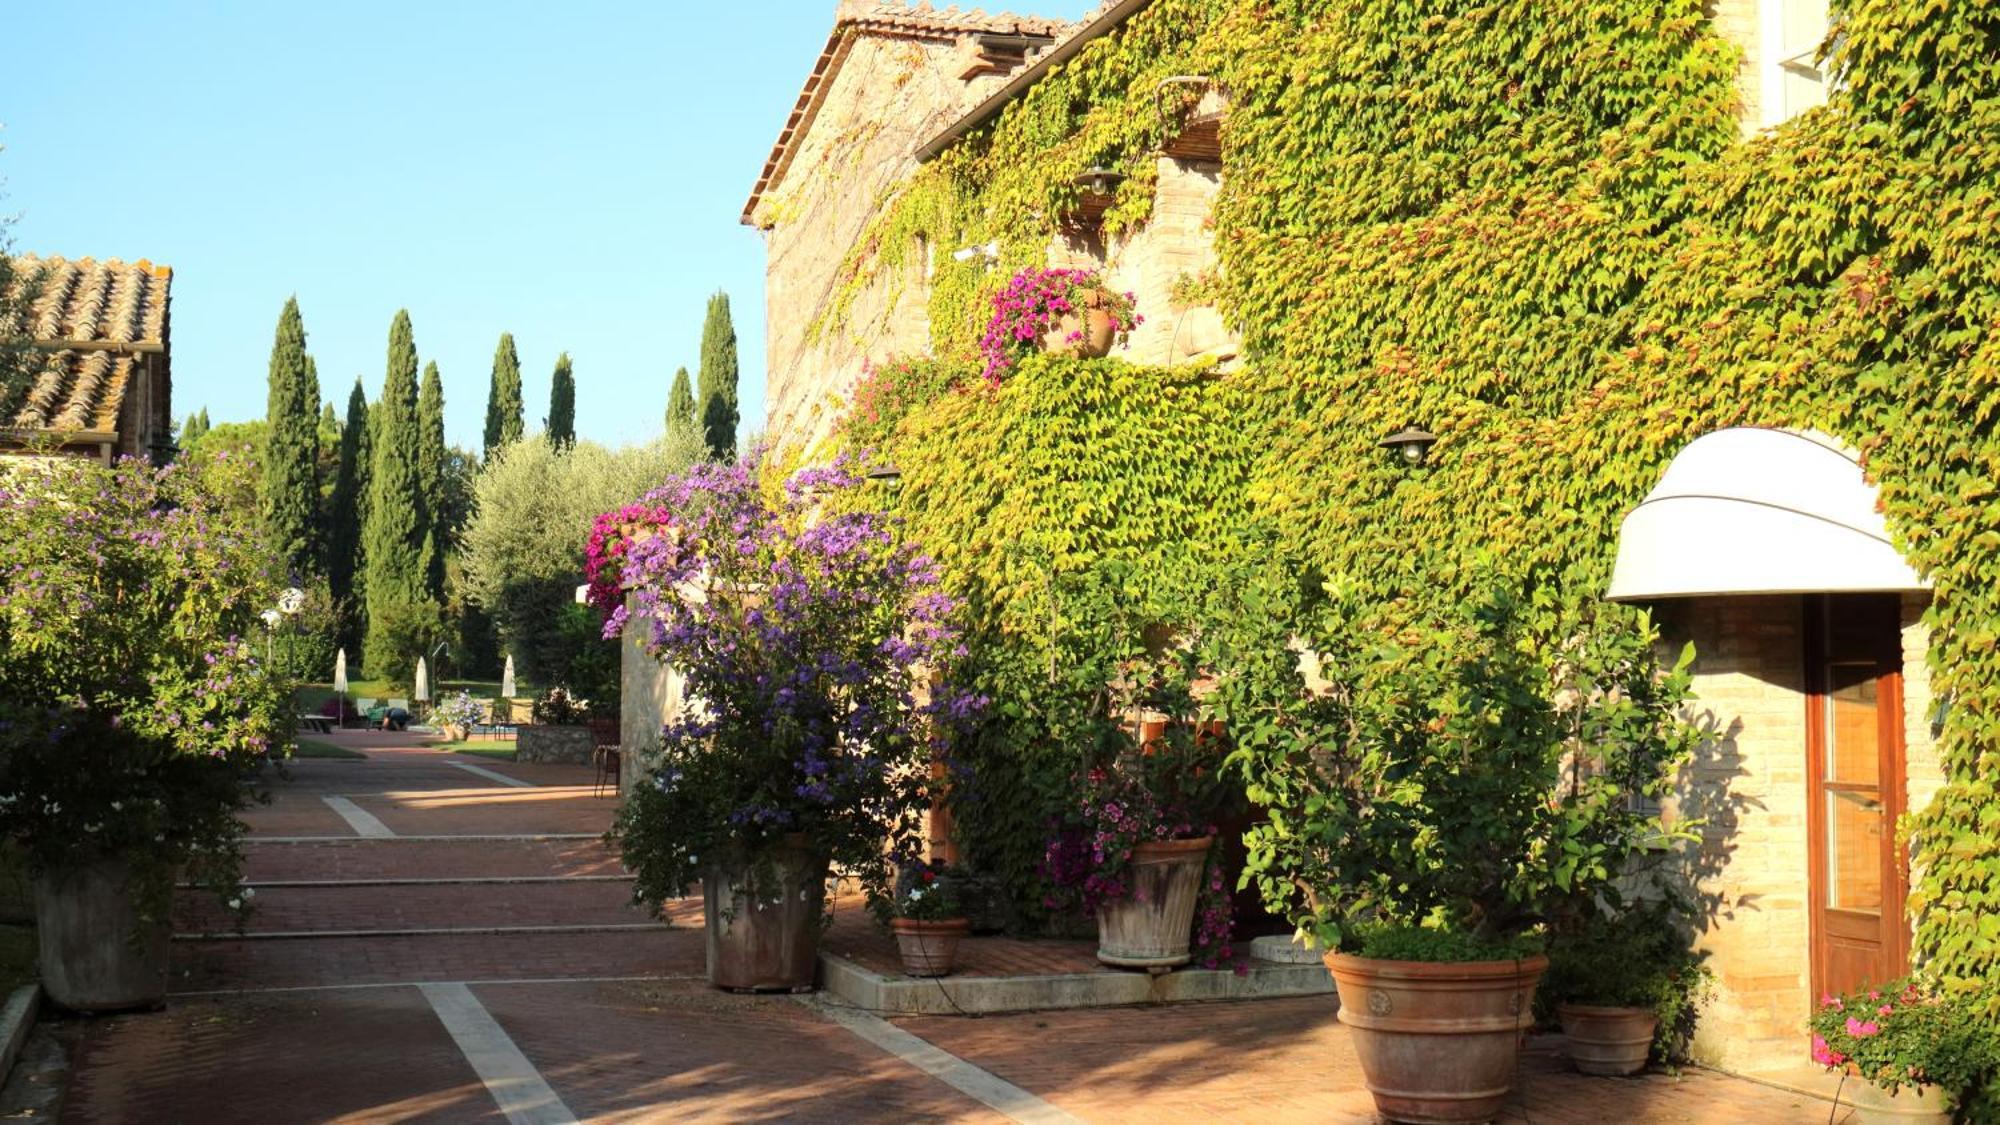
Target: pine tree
[350, 485]
[430, 474]
[561, 422]
[503, 400]
[291, 457]
[718, 379]
[680, 401]
[392, 541]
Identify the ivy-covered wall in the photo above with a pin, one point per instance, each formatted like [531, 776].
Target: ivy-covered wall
[1531, 227]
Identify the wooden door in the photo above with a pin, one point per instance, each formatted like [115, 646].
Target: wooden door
[1855, 783]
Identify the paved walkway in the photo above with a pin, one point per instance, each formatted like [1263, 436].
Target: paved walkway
[441, 944]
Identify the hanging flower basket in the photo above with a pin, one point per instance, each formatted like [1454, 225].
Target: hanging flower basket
[1061, 311]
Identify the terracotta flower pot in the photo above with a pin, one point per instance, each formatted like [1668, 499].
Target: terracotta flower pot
[1151, 926]
[95, 954]
[1087, 333]
[929, 948]
[1438, 1043]
[1912, 1105]
[768, 942]
[1611, 1042]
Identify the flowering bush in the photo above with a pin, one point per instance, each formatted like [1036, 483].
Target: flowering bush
[926, 897]
[611, 535]
[1905, 1033]
[805, 634]
[559, 708]
[1166, 787]
[134, 714]
[460, 710]
[1035, 301]
[890, 391]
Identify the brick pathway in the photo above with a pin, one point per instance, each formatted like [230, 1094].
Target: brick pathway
[619, 1024]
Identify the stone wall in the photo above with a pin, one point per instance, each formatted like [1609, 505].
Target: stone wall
[650, 693]
[1750, 785]
[890, 95]
[563, 745]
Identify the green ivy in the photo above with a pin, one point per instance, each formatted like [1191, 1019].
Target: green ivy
[1530, 226]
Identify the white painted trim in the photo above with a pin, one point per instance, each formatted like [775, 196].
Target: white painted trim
[517, 1087]
[361, 820]
[982, 1086]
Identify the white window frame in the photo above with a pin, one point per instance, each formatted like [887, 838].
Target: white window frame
[1785, 52]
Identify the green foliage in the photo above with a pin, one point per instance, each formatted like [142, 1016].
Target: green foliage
[1634, 958]
[398, 521]
[719, 415]
[291, 454]
[503, 398]
[523, 549]
[344, 516]
[890, 391]
[133, 716]
[433, 463]
[192, 430]
[560, 425]
[18, 363]
[1436, 945]
[1905, 1033]
[680, 401]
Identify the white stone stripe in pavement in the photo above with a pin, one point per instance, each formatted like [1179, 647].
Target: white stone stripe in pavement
[517, 1087]
[982, 1086]
[492, 775]
[361, 820]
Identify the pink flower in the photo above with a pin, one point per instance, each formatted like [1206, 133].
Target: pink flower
[1883, 1010]
[1825, 1055]
[1860, 1029]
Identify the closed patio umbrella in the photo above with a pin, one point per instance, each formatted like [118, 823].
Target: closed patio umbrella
[423, 692]
[340, 687]
[507, 679]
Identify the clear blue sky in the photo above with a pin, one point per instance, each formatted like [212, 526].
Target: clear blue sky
[571, 173]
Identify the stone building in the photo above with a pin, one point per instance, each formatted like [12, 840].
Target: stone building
[98, 336]
[1811, 644]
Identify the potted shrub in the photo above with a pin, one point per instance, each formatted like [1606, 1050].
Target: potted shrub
[457, 714]
[1912, 1051]
[805, 634]
[1451, 787]
[1139, 847]
[928, 922]
[134, 716]
[1060, 311]
[1625, 985]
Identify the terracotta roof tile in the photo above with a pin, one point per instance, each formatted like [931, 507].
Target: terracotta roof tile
[87, 300]
[884, 17]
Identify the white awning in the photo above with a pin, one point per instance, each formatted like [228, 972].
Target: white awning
[1758, 511]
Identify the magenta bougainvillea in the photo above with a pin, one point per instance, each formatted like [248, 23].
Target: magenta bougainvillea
[610, 538]
[1036, 301]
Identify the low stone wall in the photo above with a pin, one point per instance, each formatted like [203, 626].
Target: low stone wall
[562, 745]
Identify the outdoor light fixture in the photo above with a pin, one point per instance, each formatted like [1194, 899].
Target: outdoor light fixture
[886, 474]
[990, 252]
[1099, 181]
[1412, 443]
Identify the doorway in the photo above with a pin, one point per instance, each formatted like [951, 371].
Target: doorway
[1858, 876]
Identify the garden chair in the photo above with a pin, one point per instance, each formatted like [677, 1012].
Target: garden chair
[609, 759]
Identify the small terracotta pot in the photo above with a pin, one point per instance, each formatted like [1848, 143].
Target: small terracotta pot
[1610, 1042]
[929, 948]
[1087, 333]
[1152, 926]
[1437, 1042]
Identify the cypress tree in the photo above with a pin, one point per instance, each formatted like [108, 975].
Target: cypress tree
[291, 458]
[350, 483]
[680, 401]
[430, 476]
[503, 399]
[195, 426]
[392, 541]
[561, 422]
[718, 378]
[329, 419]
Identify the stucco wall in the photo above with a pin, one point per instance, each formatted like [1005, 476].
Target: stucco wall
[1750, 785]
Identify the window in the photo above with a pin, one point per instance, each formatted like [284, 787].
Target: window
[1792, 32]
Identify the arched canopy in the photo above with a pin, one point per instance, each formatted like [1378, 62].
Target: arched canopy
[1758, 511]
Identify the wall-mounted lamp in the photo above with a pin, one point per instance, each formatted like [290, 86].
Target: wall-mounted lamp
[1099, 181]
[885, 474]
[1411, 443]
[990, 252]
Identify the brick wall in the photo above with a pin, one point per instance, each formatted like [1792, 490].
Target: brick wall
[1738, 21]
[1750, 784]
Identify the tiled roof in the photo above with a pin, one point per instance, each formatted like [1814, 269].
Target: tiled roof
[884, 17]
[111, 302]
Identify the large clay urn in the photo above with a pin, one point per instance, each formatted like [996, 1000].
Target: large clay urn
[1150, 927]
[97, 955]
[1438, 1042]
[1087, 332]
[767, 941]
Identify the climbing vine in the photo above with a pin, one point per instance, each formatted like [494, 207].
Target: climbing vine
[1532, 227]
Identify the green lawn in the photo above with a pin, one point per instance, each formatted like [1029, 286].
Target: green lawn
[485, 748]
[314, 748]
